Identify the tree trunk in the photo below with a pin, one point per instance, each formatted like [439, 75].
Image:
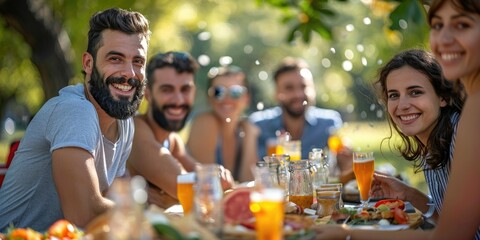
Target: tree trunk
[49, 43]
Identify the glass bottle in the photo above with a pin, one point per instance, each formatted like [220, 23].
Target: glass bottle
[277, 165]
[208, 197]
[320, 167]
[127, 220]
[300, 186]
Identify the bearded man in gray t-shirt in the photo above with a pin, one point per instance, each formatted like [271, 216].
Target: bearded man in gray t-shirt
[80, 140]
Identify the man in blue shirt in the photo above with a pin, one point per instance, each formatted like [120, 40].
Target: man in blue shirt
[295, 93]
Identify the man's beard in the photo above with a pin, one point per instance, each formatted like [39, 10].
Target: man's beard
[162, 121]
[119, 109]
[294, 113]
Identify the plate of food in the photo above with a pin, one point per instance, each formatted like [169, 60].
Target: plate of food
[386, 214]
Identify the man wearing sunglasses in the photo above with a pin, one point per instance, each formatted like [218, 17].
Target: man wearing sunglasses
[295, 93]
[158, 152]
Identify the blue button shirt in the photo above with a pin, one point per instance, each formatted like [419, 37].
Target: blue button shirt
[319, 125]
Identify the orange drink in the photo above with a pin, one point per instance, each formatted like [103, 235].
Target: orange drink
[328, 200]
[363, 167]
[267, 205]
[274, 147]
[294, 149]
[305, 201]
[185, 191]
[335, 143]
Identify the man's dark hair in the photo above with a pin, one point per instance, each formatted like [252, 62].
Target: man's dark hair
[180, 61]
[115, 19]
[289, 64]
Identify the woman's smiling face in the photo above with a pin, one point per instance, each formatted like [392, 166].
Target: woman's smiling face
[454, 39]
[412, 102]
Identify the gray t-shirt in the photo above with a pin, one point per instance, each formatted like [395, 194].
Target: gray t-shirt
[28, 197]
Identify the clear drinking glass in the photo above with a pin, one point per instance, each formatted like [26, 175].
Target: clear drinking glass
[208, 197]
[363, 167]
[329, 198]
[335, 186]
[278, 170]
[319, 163]
[294, 149]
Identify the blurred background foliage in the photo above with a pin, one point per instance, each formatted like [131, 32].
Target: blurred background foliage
[345, 42]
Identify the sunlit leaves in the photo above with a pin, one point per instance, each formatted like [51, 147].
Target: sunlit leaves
[305, 17]
[407, 11]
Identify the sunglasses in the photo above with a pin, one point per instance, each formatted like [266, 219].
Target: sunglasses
[220, 92]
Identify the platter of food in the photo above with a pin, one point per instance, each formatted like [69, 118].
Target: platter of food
[387, 214]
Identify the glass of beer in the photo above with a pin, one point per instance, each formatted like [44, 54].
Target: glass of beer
[363, 167]
[294, 149]
[274, 147]
[267, 205]
[185, 191]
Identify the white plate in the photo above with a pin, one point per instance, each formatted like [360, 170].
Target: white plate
[380, 227]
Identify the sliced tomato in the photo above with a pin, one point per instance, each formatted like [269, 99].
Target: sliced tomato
[391, 203]
[25, 234]
[400, 216]
[62, 229]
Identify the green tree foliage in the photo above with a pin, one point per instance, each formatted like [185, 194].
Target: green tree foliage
[255, 35]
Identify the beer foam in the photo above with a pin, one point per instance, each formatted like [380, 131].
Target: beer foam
[268, 194]
[358, 160]
[186, 178]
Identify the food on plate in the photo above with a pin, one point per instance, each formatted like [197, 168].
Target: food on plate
[391, 203]
[395, 216]
[371, 215]
[236, 205]
[63, 229]
[24, 234]
[400, 216]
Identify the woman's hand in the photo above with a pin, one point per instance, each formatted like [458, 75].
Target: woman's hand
[386, 186]
[226, 178]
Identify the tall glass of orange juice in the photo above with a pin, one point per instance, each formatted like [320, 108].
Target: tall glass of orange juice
[267, 205]
[185, 191]
[363, 167]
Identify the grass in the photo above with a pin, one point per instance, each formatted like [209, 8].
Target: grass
[361, 136]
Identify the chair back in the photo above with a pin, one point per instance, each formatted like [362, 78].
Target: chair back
[11, 154]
